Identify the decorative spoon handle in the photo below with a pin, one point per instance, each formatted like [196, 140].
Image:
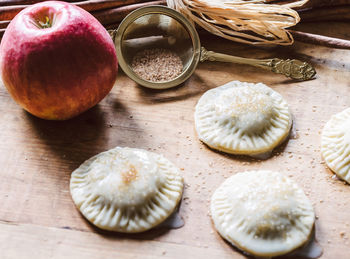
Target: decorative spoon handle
[292, 68]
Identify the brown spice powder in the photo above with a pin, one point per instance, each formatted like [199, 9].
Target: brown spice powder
[157, 65]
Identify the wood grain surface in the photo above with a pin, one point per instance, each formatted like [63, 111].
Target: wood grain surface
[39, 220]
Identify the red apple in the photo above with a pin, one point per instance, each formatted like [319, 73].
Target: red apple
[57, 60]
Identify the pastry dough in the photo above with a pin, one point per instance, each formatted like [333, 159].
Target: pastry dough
[126, 189]
[262, 213]
[335, 144]
[242, 118]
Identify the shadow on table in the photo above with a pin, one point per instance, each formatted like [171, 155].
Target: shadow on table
[72, 140]
[194, 86]
[96, 130]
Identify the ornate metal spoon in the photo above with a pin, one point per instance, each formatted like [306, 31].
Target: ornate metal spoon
[292, 68]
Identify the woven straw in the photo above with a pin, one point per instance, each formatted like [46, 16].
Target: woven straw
[255, 22]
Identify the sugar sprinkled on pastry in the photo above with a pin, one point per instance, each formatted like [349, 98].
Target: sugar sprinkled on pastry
[126, 189]
[262, 213]
[335, 144]
[242, 118]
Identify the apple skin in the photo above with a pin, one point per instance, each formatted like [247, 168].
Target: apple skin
[58, 72]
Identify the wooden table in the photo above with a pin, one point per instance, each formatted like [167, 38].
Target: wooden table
[39, 220]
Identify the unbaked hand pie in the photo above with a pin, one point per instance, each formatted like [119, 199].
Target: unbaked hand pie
[335, 144]
[262, 213]
[242, 118]
[126, 189]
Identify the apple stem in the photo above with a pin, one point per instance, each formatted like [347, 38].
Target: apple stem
[46, 24]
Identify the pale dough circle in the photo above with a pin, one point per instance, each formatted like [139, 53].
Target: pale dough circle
[242, 118]
[126, 189]
[335, 144]
[262, 213]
